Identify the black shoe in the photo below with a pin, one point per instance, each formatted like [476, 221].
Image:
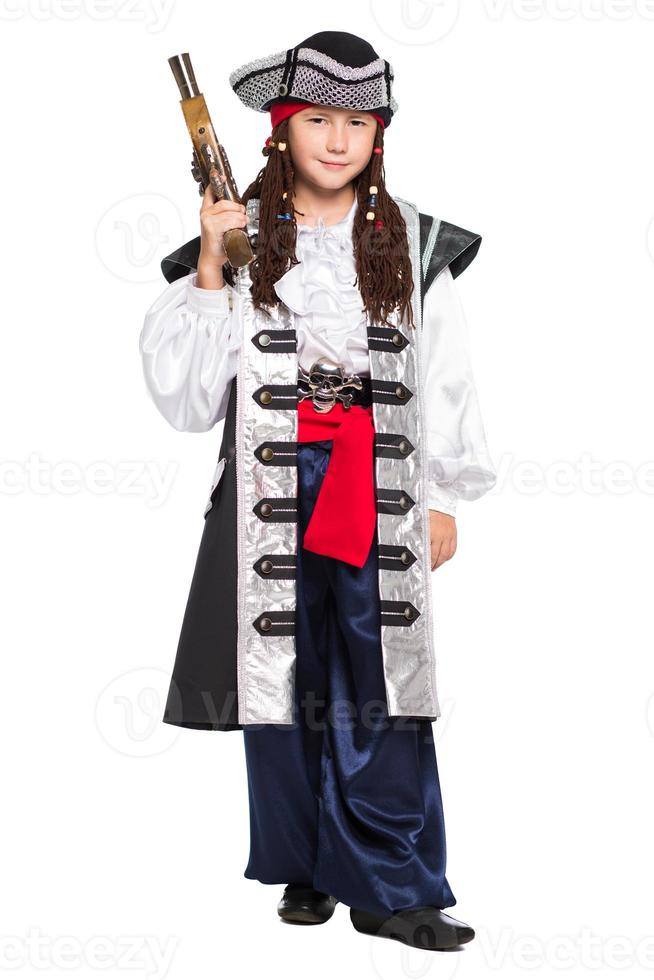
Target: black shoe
[303, 904]
[426, 927]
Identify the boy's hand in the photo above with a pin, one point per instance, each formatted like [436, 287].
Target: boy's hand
[217, 217]
[442, 531]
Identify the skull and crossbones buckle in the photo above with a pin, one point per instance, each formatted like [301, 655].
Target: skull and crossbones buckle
[326, 382]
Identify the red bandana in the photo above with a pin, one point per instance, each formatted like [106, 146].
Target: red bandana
[281, 110]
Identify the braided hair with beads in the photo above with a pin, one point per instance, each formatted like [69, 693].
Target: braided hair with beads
[379, 236]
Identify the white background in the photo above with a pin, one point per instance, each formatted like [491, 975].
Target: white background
[529, 123]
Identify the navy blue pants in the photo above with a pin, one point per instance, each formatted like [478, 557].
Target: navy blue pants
[345, 799]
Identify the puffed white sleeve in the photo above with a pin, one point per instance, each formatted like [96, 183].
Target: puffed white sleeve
[189, 348]
[459, 464]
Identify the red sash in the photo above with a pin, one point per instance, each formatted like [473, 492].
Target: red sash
[343, 521]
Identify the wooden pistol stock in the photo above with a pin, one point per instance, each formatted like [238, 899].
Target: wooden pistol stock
[210, 164]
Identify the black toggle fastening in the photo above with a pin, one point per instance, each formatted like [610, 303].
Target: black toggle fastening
[276, 566]
[275, 341]
[276, 509]
[386, 339]
[392, 445]
[398, 613]
[278, 397]
[395, 557]
[393, 501]
[277, 453]
[390, 392]
[273, 623]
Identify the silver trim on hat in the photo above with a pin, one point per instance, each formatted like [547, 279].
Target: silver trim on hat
[260, 81]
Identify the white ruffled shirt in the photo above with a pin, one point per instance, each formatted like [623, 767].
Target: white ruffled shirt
[190, 341]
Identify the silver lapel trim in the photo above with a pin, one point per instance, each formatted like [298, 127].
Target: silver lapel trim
[407, 647]
[266, 663]
[429, 246]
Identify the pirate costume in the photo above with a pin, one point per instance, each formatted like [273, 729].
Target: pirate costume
[312, 588]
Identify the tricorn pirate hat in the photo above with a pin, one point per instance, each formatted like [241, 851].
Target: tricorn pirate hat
[329, 68]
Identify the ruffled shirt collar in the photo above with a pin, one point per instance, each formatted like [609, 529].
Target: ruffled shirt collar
[320, 289]
[333, 243]
[328, 246]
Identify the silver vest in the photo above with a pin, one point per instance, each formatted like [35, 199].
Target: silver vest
[266, 473]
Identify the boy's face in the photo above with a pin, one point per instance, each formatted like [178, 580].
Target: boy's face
[321, 135]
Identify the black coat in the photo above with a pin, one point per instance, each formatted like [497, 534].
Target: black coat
[203, 691]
